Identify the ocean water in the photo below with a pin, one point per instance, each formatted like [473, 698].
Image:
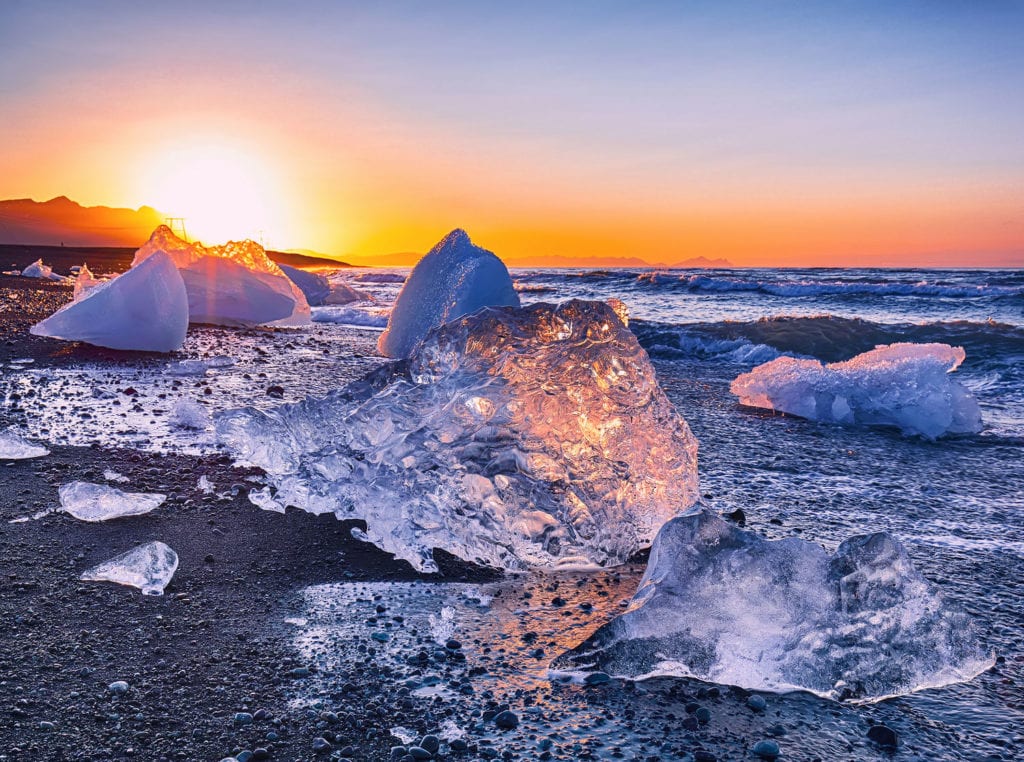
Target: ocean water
[956, 503]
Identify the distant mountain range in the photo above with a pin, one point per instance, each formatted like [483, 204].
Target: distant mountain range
[61, 221]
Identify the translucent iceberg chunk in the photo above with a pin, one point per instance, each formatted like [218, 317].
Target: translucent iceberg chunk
[100, 502]
[236, 284]
[144, 309]
[148, 567]
[901, 385]
[725, 605]
[85, 281]
[314, 287]
[13, 446]
[513, 437]
[38, 270]
[454, 279]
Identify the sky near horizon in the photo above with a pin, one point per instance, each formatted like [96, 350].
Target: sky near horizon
[770, 133]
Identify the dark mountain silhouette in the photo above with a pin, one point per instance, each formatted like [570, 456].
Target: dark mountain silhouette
[61, 220]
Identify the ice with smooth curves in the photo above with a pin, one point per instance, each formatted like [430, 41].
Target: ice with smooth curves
[453, 279]
[903, 385]
[515, 437]
[235, 284]
[725, 605]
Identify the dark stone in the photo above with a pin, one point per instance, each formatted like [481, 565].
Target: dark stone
[884, 736]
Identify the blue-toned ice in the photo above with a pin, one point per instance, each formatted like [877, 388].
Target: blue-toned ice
[725, 605]
[533, 437]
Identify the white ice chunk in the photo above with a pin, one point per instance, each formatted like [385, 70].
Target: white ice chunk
[236, 284]
[38, 270]
[342, 293]
[723, 604]
[99, 502]
[114, 476]
[13, 446]
[454, 279]
[143, 309]
[265, 501]
[514, 437]
[188, 414]
[314, 286]
[205, 485]
[148, 567]
[84, 281]
[901, 385]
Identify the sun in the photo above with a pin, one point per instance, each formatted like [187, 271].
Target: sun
[223, 189]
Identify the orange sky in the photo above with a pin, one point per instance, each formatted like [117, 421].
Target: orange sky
[383, 146]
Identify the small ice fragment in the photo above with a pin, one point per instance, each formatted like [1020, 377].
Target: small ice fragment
[442, 626]
[725, 605]
[13, 446]
[262, 499]
[449, 731]
[186, 368]
[455, 278]
[902, 385]
[98, 502]
[148, 567]
[38, 270]
[84, 281]
[404, 735]
[144, 309]
[314, 286]
[359, 534]
[205, 486]
[220, 361]
[187, 414]
[114, 476]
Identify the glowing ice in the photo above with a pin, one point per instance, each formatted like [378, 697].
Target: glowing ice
[454, 279]
[725, 605]
[38, 270]
[314, 287]
[85, 281]
[902, 385]
[99, 502]
[189, 414]
[148, 567]
[143, 309]
[516, 437]
[13, 446]
[235, 284]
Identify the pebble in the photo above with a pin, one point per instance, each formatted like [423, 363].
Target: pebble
[766, 749]
[418, 752]
[431, 743]
[118, 687]
[321, 745]
[506, 720]
[243, 718]
[597, 678]
[757, 703]
[884, 736]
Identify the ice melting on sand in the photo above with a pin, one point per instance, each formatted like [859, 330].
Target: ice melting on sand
[13, 446]
[99, 502]
[148, 567]
[903, 385]
[85, 281]
[515, 437]
[143, 309]
[236, 284]
[454, 279]
[725, 605]
[38, 270]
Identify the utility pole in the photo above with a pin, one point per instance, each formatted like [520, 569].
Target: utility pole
[177, 226]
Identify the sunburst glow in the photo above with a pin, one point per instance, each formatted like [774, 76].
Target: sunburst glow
[222, 190]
